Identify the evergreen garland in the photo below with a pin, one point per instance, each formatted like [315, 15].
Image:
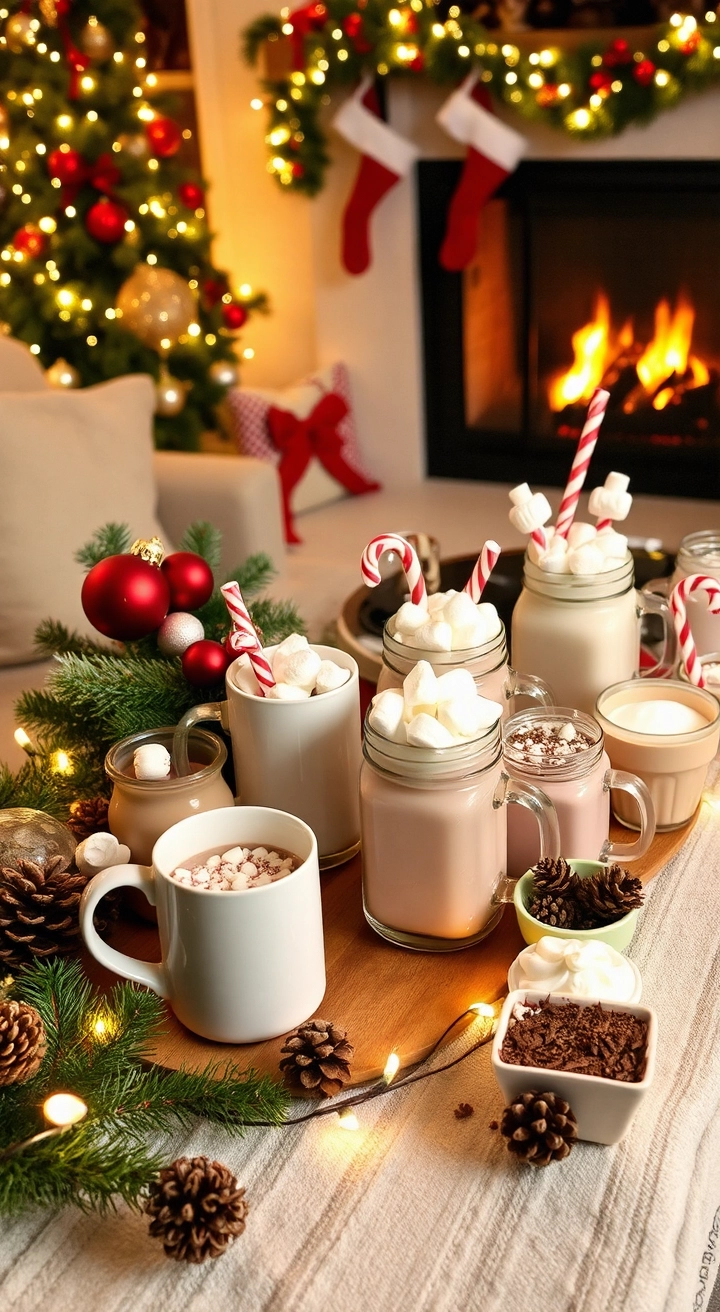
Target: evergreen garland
[96, 1050]
[596, 89]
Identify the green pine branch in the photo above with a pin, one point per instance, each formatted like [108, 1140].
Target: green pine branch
[109, 540]
[205, 541]
[53, 638]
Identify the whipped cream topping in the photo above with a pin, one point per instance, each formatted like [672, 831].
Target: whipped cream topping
[589, 969]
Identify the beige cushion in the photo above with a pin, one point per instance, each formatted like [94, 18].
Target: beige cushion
[69, 463]
[19, 370]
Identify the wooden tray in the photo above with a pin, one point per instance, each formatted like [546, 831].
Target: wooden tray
[387, 997]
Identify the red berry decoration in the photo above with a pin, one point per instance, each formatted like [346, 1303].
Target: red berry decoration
[298, 171]
[105, 221]
[29, 240]
[353, 28]
[644, 72]
[234, 316]
[189, 578]
[125, 597]
[618, 52]
[68, 166]
[164, 136]
[191, 195]
[600, 81]
[204, 663]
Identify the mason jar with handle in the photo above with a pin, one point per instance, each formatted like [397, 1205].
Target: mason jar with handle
[581, 632]
[434, 834]
[699, 553]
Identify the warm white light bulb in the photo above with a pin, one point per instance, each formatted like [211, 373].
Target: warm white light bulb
[392, 1066]
[64, 1109]
[348, 1120]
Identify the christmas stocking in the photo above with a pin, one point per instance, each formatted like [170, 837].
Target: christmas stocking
[494, 151]
[386, 158]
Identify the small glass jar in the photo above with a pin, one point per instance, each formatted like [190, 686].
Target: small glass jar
[142, 809]
[699, 553]
[581, 633]
[488, 665]
[578, 785]
[434, 839]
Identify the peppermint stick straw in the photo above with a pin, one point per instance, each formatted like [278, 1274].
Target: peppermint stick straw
[484, 567]
[583, 456]
[678, 603]
[411, 564]
[244, 636]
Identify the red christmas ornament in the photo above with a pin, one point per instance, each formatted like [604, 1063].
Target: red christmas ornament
[618, 52]
[105, 221]
[644, 72]
[29, 240]
[600, 81]
[68, 166]
[204, 663]
[125, 597]
[234, 316]
[189, 578]
[213, 291]
[298, 171]
[418, 63]
[164, 136]
[353, 28]
[191, 195]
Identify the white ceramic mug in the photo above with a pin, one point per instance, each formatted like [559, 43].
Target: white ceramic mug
[302, 757]
[237, 967]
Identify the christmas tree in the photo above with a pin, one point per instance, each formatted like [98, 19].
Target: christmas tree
[105, 264]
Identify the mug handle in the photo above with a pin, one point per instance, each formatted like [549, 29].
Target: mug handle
[519, 793]
[150, 973]
[209, 711]
[629, 783]
[651, 603]
[527, 685]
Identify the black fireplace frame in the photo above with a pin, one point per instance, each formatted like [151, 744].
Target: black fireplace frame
[454, 450]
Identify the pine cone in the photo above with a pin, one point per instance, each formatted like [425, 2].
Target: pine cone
[22, 1042]
[39, 910]
[89, 816]
[554, 876]
[555, 910]
[609, 895]
[197, 1209]
[320, 1060]
[540, 1128]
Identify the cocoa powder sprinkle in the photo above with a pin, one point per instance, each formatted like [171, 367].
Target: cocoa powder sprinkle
[589, 1040]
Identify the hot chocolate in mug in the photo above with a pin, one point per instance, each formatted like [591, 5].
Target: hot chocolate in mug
[299, 756]
[237, 966]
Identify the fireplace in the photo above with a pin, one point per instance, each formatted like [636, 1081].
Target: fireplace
[587, 273]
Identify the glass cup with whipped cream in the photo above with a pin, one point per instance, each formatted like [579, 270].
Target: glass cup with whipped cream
[578, 968]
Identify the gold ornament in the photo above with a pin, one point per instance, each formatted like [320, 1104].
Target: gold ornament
[157, 305]
[62, 375]
[19, 33]
[48, 9]
[96, 41]
[224, 372]
[153, 551]
[170, 394]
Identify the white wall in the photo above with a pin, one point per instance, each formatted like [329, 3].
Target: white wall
[291, 246]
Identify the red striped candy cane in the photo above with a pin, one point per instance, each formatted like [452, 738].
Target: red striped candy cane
[244, 636]
[410, 562]
[484, 567]
[678, 605]
[583, 456]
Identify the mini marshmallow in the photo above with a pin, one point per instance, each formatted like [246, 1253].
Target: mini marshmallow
[100, 851]
[244, 676]
[425, 731]
[386, 715]
[488, 614]
[466, 717]
[298, 668]
[470, 635]
[529, 510]
[612, 501]
[293, 642]
[460, 611]
[420, 690]
[587, 559]
[409, 618]
[287, 692]
[235, 855]
[436, 601]
[555, 559]
[456, 683]
[151, 761]
[435, 635]
[579, 533]
[330, 676]
[612, 543]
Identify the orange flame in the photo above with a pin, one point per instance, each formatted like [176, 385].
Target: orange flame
[590, 345]
[668, 351]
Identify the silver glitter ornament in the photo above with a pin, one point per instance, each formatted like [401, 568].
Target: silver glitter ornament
[224, 372]
[178, 632]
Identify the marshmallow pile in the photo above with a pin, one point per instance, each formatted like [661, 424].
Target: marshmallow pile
[433, 711]
[298, 672]
[579, 970]
[584, 551]
[241, 867]
[449, 621]
[535, 740]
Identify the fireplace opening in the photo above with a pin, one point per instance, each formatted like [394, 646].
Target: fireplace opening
[586, 274]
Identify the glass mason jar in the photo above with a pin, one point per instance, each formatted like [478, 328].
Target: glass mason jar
[582, 632]
[699, 553]
[488, 665]
[142, 809]
[578, 785]
[434, 839]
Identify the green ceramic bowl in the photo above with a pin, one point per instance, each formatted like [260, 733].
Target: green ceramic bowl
[618, 934]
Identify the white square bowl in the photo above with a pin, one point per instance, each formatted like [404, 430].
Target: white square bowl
[603, 1108]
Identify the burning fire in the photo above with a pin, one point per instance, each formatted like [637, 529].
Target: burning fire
[600, 354]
